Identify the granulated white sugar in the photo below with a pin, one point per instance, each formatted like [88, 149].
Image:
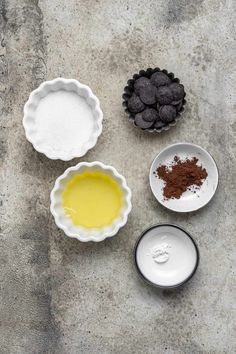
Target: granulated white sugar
[64, 120]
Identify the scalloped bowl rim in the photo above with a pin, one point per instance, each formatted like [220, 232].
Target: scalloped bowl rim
[86, 235]
[91, 142]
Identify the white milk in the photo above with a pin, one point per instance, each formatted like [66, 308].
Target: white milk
[166, 256]
[64, 120]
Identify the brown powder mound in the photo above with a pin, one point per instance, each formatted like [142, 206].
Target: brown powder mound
[180, 176]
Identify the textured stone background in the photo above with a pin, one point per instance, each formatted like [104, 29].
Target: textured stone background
[59, 295]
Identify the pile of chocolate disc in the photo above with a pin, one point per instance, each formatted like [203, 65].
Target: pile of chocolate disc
[154, 99]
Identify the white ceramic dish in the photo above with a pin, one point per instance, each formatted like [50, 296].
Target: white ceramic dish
[81, 233]
[62, 119]
[180, 252]
[189, 201]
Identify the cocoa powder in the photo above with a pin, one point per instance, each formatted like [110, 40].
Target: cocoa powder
[180, 176]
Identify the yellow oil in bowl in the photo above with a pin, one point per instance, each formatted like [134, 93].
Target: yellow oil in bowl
[92, 199]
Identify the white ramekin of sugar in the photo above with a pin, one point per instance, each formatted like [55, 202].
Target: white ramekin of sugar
[166, 256]
[62, 119]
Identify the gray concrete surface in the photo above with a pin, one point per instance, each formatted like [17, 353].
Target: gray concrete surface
[62, 296]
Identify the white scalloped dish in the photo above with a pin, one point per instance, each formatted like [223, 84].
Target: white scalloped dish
[64, 222]
[62, 119]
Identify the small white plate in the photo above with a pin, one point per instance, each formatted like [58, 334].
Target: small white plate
[189, 201]
[62, 119]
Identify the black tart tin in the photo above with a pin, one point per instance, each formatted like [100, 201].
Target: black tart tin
[129, 89]
[161, 286]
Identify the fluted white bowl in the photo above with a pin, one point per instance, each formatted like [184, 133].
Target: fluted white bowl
[82, 233]
[62, 119]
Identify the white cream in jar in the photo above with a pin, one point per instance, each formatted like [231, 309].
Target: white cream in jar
[166, 255]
